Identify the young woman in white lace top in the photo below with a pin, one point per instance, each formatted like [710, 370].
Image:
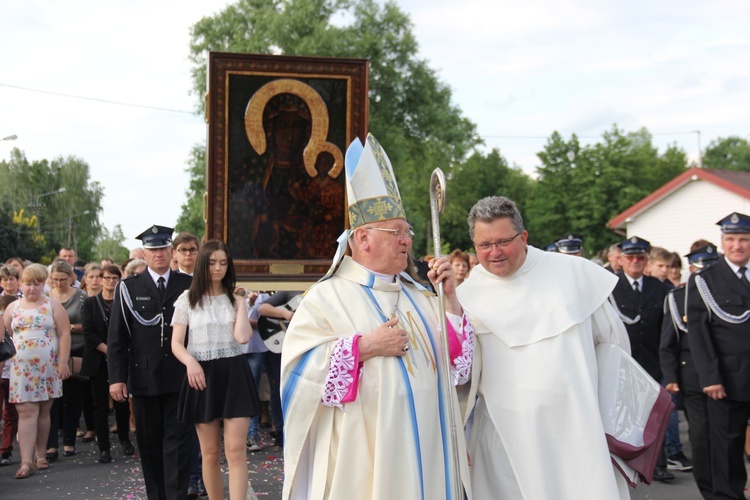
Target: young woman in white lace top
[219, 384]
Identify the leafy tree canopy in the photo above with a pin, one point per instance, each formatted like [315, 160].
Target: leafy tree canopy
[191, 216]
[109, 245]
[578, 189]
[730, 153]
[60, 197]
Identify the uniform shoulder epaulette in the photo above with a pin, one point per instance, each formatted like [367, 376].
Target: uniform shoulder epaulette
[702, 270]
[131, 276]
[671, 309]
[681, 286]
[708, 299]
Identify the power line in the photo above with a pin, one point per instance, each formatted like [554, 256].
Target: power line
[96, 99]
[578, 136]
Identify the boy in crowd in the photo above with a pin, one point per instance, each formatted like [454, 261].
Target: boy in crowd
[659, 262]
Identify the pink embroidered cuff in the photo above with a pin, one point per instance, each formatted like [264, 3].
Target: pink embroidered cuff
[344, 370]
[461, 350]
[454, 343]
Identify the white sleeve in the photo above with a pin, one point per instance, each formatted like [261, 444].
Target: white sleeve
[181, 310]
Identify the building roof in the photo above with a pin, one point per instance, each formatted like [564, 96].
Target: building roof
[735, 182]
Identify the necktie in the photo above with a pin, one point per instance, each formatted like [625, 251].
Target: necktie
[161, 286]
[743, 276]
[636, 290]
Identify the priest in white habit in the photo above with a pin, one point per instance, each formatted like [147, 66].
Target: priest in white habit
[537, 316]
[361, 387]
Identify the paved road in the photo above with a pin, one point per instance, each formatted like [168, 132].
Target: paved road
[82, 477]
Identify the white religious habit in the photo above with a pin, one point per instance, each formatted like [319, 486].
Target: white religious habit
[537, 431]
[376, 429]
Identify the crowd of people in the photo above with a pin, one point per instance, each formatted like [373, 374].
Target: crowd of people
[364, 398]
[69, 358]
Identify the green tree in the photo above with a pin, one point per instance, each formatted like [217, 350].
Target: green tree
[730, 153]
[411, 112]
[110, 245]
[580, 189]
[547, 207]
[18, 236]
[60, 194]
[191, 216]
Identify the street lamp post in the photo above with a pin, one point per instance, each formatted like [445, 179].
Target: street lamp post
[72, 231]
[37, 204]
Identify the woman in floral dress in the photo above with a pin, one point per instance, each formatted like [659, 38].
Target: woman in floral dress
[41, 334]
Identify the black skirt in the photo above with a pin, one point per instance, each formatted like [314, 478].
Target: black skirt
[229, 393]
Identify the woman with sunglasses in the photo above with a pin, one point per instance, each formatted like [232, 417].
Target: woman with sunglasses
[96, 313]
[219, 384]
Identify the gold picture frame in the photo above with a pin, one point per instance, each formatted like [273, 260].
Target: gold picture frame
[278, 128]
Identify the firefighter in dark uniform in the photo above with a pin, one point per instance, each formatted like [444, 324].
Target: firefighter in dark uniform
[639, 301]
[571, 244]
[139, 354]
[718, 310]
[679, 372]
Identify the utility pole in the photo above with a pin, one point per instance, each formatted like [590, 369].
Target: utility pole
[37, 204]
[700, 153]
[72, 232]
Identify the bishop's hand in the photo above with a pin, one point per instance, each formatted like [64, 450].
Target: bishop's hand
[385, 340]
[441, 271]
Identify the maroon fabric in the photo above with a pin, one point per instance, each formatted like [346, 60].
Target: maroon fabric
[10, 417]
[643, 458]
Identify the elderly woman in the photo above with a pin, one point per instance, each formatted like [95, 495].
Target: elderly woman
[61, 279]
[9, 280]
[92, 279]
[461, 265]
[135, 266]
[16, 262]
[96, 313]
[41, 334]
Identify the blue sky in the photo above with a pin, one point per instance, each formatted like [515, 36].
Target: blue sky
[519, 70]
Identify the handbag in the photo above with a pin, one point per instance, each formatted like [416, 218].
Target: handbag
[74, 365]
[7, 348]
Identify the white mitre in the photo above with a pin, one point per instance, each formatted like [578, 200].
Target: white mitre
[371, 190]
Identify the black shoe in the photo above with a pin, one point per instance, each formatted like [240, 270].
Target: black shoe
[662, 474]
[127, 447]
[679, 462]
[69, 453]
[192, 491]
[52, 455]
[105, 457]
[5, 459]
[279, 439]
